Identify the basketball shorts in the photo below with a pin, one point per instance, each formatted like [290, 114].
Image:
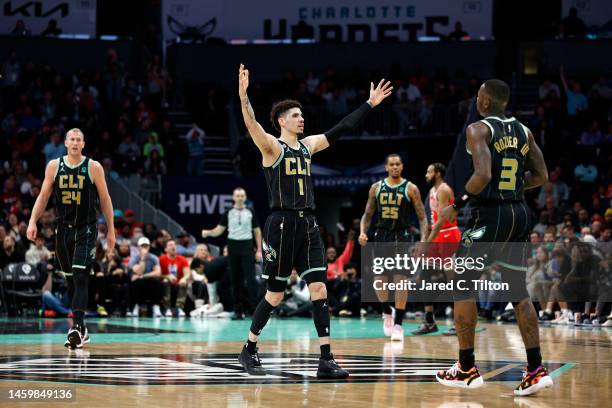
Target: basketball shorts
[292, 240]
[497, 233]
[75, 247]
[446, 243]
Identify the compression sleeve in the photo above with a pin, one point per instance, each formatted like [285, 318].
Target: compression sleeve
[348, 123]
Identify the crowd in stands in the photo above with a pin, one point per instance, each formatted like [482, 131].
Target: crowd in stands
[123, 116]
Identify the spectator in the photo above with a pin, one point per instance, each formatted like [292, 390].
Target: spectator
[52, 29]
[159, 245]
[542, 224]
[209, 271]
[55, 298]
[175, 278]
[538, 281]
[145, 277]
[38, 254]
[335, 264]
[561, 190]
[576, 101]
[107, 164]
[48, 108]
[572, 25]
[592, 136]
[11, 71]
[29, 121]
[458, 33]
[345, 296]
[128, 154]
[185, 246]
[195, 145]
[10, 253]
[55, 148]
[118, 282]
[20, 30]
[549, 89]
[155, 165]
[296, 302]
[153, 144]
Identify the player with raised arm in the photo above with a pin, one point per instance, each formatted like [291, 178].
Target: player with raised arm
[291, 237]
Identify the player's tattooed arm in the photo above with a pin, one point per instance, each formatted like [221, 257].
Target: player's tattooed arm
[42, 199]
[478, 135]
[415, 197]
[267, 144]
[536, 173]
[366, 218]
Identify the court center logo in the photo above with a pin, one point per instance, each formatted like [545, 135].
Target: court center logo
[193, 369]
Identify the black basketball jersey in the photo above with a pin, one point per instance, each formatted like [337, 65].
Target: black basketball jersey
[509, 146]
[76, 197]
[289, 180]
[393, 206]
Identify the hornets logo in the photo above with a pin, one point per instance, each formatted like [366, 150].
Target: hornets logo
[470, 235]
[269, 252]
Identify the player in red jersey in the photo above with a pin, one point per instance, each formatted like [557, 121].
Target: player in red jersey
[445, 236]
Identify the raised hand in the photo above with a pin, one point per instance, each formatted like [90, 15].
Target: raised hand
[378, 94]
[243, 81]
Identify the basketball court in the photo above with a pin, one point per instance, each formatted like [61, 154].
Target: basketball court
[177, 362]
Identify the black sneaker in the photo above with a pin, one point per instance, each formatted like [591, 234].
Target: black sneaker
[77, 337]
[426, 328]
[330, 370]
[450, 332]
[251, 362]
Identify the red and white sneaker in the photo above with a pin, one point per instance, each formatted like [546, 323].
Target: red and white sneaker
[533, 382]
[388, 321]
[456, 377]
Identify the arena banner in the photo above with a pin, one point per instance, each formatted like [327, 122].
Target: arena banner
[199, 202]
[324, 20]
[72, 16]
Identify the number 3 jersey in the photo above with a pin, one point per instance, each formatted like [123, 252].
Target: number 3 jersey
[76, 196]
[393, 206]
[509, 146]
[289, 180]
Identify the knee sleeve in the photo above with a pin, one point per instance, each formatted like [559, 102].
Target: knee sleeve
[261, 316]
[320, 314]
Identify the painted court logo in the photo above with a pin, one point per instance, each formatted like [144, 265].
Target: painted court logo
[192, 369]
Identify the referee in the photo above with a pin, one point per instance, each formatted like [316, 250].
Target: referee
[242, 227]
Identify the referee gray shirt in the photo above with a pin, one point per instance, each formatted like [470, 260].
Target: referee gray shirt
[239, 223]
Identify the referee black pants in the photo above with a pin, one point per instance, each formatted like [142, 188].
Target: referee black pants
[242, 271]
